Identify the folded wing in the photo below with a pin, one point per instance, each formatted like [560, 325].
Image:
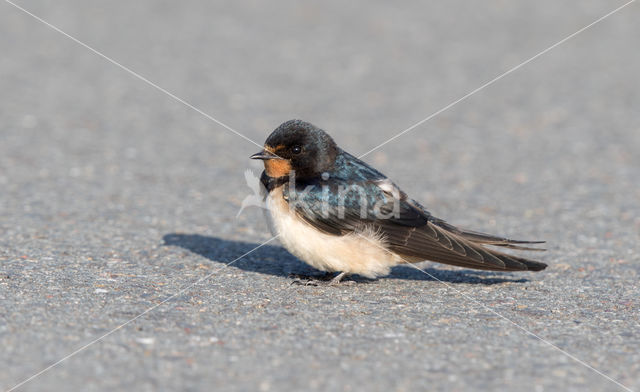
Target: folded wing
[408, 229]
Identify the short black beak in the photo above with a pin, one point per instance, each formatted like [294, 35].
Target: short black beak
[264, 154]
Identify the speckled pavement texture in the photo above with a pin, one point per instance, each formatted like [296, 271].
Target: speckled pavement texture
[114, 196]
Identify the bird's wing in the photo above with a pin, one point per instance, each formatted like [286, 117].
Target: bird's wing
[489, 239]
[407, 228]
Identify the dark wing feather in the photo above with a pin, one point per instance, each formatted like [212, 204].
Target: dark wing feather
[488, 239]
[449, 248]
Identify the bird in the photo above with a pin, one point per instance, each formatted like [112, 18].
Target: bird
[340, 215]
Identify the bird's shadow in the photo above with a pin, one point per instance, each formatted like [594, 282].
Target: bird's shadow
[275, 260]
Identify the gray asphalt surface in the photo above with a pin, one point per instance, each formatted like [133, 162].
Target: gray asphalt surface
[115, 197]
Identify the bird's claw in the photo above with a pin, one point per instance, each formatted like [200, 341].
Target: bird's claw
[328, 279]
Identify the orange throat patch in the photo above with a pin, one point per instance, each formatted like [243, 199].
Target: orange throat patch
[277, 167]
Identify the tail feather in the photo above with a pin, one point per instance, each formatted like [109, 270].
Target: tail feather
[447, 244]
[488, 239]
[498, 261]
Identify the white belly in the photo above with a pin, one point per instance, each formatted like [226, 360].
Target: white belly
[360, 253]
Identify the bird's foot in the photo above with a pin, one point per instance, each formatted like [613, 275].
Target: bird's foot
[327, 279]
[337, 279]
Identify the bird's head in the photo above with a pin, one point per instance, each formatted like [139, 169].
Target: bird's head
[298, 146]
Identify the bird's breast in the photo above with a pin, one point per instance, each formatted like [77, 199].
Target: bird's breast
[362, 252]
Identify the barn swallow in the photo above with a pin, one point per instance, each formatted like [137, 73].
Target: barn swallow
[338, 214]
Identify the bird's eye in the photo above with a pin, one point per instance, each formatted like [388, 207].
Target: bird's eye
[296, 149]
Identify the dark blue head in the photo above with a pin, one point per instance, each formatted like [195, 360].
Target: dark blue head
[299, 146]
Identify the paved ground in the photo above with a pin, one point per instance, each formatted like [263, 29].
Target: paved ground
[114, 196]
